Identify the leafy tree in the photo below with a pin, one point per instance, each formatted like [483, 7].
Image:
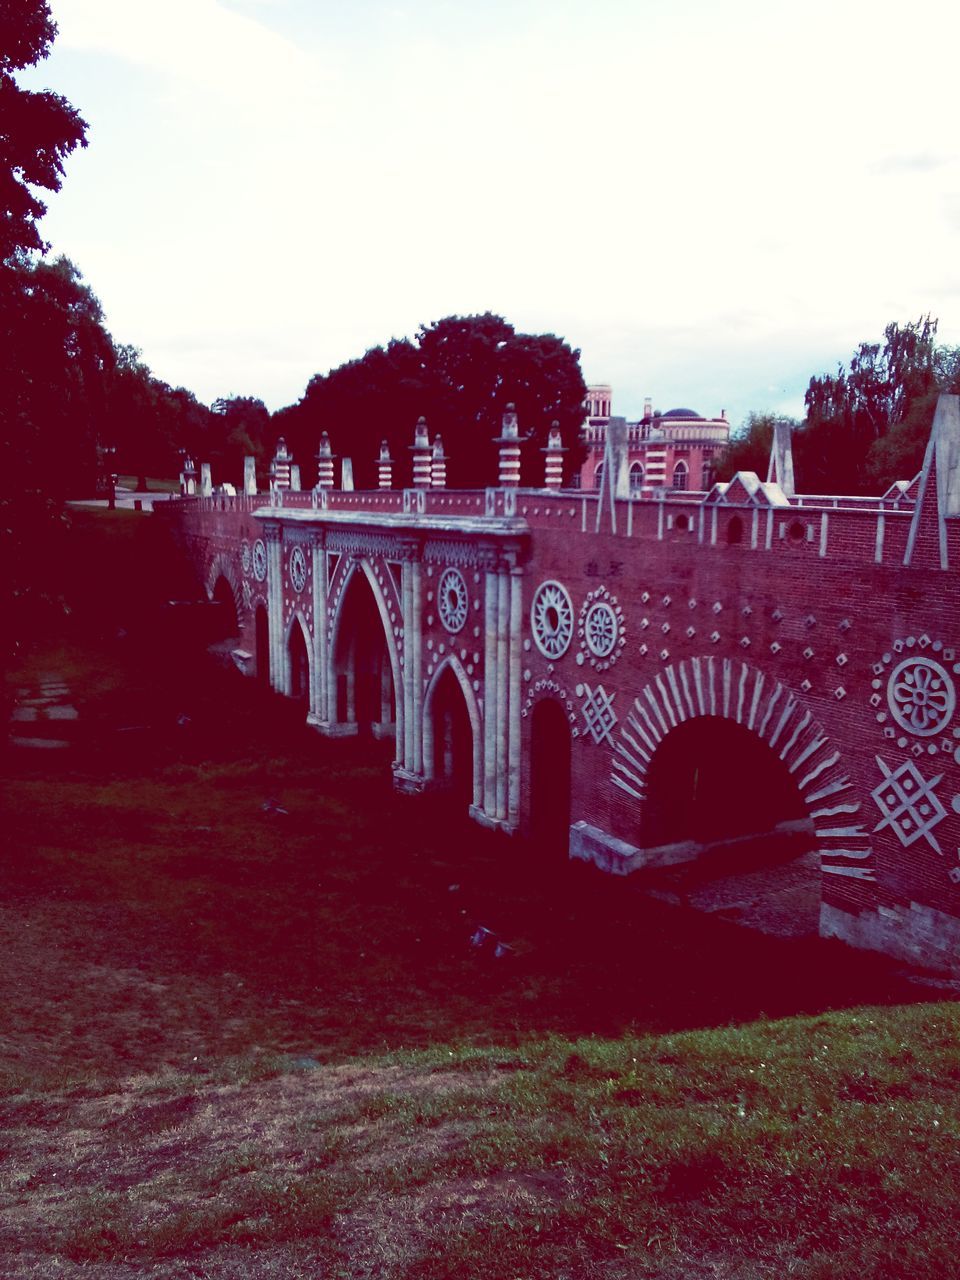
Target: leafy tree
[48, 326]
[749, 448]
[460, 373]
[849, 412]
[38, 130]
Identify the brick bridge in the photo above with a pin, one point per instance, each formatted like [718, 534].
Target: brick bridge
[636, 682]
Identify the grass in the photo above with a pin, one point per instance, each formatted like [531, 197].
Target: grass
[236, 1043]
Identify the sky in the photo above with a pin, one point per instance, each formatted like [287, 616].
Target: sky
[711, 199]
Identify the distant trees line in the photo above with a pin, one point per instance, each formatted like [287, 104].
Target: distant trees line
[866, 425]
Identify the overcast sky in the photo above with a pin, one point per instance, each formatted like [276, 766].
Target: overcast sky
[712, 199]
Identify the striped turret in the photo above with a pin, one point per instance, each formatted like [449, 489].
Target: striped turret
[438, 466]
[509, 442]
[554, 458]
[385, 467]
[324, 463]
[421, 456]
[280, 466]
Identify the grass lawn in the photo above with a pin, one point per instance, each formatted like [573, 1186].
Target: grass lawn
[259, 1044]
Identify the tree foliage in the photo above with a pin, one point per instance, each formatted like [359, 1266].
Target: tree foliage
[460, 373]
[868, 424]
[37, 130]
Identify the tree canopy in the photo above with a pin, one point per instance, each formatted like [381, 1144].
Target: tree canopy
[460, 373]
[866, 425]
[37, 130]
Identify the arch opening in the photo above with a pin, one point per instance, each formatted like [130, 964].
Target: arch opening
[227, 624]
[711, 780]
[734, 531]
[262, 644]
[449, 741]
[550, 759]
[364, 697]
[299, 660]
[744, 842]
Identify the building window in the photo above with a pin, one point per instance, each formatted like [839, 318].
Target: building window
[636, 477]
[598, 476]
[680, 475]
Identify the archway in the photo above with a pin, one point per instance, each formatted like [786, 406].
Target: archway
[226, 625]
[298, 657]
[449, 744]
[727, 805]
[262, 644]
[712, 779]
[363, 696]
[550, 780]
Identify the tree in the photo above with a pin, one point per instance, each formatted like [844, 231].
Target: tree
[850, 412]
[38, 131]
[460, 373]
[43, 312]
[749, 448]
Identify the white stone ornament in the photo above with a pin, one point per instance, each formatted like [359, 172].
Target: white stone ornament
[551, 619]
[601, 629]
[909, 803]
[245, 559]
[298, 569]
[259, 560]
[598, 713]
[452, 600]
[247, 596]
[921, 696]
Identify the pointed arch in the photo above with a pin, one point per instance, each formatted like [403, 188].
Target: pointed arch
[364, 565]
[733, 690]
[453, 664]
[297, 683]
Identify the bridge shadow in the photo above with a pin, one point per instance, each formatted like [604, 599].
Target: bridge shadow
[299, 901]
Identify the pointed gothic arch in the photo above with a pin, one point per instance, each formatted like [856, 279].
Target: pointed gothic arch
[298, 660]
[450, 671]
[352, 624]
[728, 689]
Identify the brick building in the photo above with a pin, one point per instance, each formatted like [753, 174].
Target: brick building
[672, 450]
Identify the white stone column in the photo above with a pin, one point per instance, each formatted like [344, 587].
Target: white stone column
[503, 651]
[514, 697]
[318, 694]
[278, 664]
[490, 652]
[406, 588]
[414, 637]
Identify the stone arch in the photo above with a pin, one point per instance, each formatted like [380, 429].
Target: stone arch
[733, 690]
[551, 776]
[298, 685]
[221, 566]
[363, 564]
[453, 664]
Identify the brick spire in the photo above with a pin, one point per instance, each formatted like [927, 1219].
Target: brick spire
[324, 463]
[438, 465]
[421, 455]
[509, 442]
[553, 461]
[385, 467]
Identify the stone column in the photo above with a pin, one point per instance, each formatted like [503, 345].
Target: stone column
[514, 696]
[503, 676]
[385, 467]
[490, 656]
[278, 659]
[324, 463]
[421, 455]
[553, 478]
[318, 694]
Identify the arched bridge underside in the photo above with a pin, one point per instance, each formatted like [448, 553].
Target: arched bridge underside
[799, 677]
